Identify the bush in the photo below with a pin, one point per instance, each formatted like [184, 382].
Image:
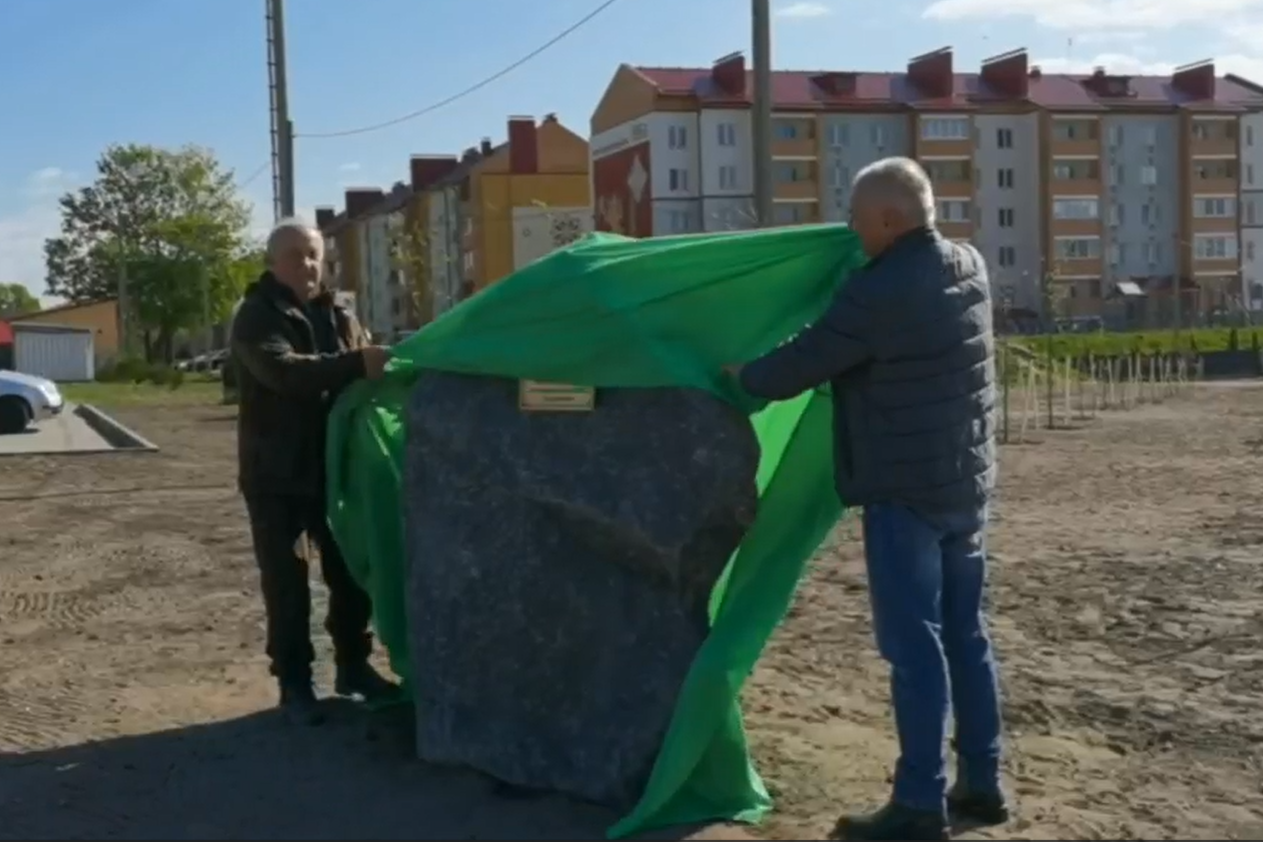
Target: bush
[134, 370]
[1202, 340]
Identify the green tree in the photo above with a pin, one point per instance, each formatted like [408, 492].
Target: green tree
[171, 221]
[15, 298]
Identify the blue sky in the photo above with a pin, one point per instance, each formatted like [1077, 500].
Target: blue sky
[80, 74]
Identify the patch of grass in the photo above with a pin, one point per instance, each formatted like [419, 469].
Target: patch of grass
[194, 391]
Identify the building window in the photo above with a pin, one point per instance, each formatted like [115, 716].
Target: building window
[877, 134]
[953, 171]
[1249, 250]
[1148, 175]
[1004, 177]
[1116, 135]
[1212, 129]
[1004, 138]
[727, 134]
[786, 172]
[786, 130]
[952, 210]
[1151, 135]
[1074, 129]
[839, 134]
[1249, 135]
[1214, 207]
[1208, 170]
[677, 137]
[1249, 211]
[1006, 217]
[1117, 213]
[1153, 252]
[1078, 248]
[840, 176]
[1214, 247]
[1249, 173]
[789, 213]
[677, 179]
[1075, 169]
[1007, 256]
[728, 177]
[1085, 208]
[945, 128]
[678, 221]
[1117, 253]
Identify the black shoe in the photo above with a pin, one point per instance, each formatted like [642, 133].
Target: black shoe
[893, 822]
[300, 705]
[983, 808]
[360, 679]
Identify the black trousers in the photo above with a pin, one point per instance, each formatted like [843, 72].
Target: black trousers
[279, 524]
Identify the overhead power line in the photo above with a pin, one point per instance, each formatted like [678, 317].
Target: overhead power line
[258, 171]
[472, 88]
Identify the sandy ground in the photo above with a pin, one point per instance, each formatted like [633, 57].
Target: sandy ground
[1128, 605]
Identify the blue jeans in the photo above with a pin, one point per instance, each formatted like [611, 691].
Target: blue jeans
[926, 578]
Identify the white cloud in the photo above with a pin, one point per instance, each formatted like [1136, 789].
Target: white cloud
[22, 233]
[352, 166]
[803, 9]
[1087, 15]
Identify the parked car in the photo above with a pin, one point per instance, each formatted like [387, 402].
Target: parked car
[25, 398]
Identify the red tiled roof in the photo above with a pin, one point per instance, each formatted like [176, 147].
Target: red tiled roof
[795, 89]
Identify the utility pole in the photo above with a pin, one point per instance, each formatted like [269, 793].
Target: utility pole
[761, 18]
[282, 127]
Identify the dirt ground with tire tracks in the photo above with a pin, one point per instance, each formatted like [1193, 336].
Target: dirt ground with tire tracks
[1128, 610]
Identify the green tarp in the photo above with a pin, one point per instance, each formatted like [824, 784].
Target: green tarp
[609, 311]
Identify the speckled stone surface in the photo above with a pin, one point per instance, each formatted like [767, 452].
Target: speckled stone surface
[559, 570]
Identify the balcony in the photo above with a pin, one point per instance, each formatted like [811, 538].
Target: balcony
[1075, 147]
[1075, 227]
[1084, 186]
[956, 230]
[935, 148]
[1215, 184]
[794, 138]
[802, 189]
[1212, 138]
[1068, 267]
[1214, 225]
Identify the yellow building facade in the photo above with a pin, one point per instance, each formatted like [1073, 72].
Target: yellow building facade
[526, 198]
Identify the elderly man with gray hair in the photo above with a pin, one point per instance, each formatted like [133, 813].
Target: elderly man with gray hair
[295, 349]
[908, 350]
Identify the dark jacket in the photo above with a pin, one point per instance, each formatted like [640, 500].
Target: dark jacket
[908, 349]
[292, 360]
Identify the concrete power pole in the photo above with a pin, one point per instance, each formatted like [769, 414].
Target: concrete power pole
[282, 127]
[761, 19]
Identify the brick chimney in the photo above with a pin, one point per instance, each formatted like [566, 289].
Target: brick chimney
[729, 74]
[360, 200]
[324, 217]
[835, 83]
[523, 146]
[425, 170]
[1008, 74]
[1196, 80]
[485, 147]
[932, 74]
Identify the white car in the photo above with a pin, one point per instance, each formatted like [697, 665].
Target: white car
[25, 398]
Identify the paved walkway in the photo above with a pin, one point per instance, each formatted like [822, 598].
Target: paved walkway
[67, 433]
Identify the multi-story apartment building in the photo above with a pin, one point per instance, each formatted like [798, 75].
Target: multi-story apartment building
[1098, 184]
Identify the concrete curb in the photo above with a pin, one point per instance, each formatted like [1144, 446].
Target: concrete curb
[118, 436]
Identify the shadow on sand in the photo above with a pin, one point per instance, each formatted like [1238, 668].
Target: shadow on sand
[259, 778]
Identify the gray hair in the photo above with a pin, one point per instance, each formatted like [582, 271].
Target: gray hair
[899, 184]
[283, 231]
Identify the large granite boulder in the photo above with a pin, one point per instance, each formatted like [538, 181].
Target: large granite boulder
[559, 571]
